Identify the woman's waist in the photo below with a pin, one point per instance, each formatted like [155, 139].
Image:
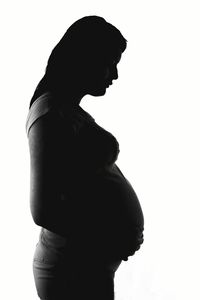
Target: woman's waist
[77, 251]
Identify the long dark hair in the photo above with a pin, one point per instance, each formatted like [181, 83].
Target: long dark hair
[87, 40]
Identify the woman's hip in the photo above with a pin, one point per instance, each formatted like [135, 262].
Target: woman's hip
[60, 275]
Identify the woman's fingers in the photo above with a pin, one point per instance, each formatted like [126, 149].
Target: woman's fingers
[141, 240]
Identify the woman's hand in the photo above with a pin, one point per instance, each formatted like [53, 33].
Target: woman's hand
[132, 242]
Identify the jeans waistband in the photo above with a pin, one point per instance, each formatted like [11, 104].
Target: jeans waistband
[52, 239]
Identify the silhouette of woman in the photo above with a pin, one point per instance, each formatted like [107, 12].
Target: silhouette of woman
[89, 214]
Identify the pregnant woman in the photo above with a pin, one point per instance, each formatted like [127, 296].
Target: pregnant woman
[89, 214]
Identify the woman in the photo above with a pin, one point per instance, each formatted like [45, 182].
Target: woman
[89, 214]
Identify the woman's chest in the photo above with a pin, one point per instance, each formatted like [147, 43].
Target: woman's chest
[92, 147]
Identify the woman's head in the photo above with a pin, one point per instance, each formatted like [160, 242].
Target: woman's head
[89, 45]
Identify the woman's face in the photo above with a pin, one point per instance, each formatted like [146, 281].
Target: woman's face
[102, 75]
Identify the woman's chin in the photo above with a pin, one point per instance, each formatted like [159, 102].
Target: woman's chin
[98, 91]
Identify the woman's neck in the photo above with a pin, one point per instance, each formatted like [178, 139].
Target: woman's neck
[68, 99]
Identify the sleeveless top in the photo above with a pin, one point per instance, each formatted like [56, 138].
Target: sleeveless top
[104, 197]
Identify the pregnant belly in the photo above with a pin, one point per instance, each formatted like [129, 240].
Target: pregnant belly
[108, 198]
[119, 197]
[116, 217]
[106, 213]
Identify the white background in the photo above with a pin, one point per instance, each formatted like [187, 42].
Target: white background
[153, 111]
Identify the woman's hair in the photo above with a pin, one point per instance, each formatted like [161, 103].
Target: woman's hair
[88, 40]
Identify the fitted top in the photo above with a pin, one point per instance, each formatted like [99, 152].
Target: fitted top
[99, 194]
[96, 147]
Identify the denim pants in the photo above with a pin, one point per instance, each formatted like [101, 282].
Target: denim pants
[64, 274]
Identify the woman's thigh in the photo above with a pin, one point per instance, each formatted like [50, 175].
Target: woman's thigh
[48, 269]
[59, 277]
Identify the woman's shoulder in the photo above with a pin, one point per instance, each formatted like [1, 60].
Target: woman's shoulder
[44, 108]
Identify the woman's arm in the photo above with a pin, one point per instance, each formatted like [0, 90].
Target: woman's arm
[46, 159]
